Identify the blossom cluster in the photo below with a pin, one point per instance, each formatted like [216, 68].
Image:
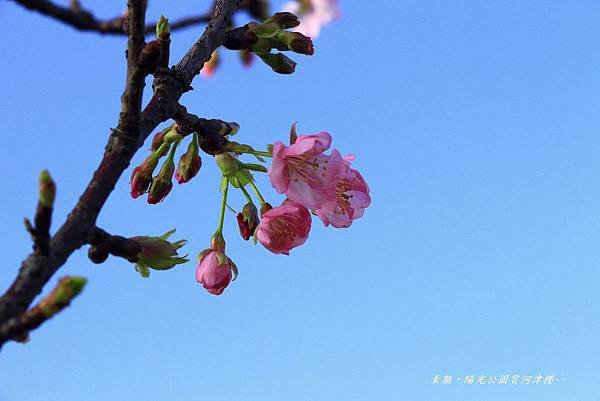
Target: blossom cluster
[315, 180]
[312, 181]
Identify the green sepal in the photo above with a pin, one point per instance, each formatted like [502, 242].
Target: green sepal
[202, 254]
[234, 270]
[222, 258]
[266, 30]
[255, 167]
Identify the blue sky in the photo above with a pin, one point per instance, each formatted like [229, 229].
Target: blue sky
[475, 124]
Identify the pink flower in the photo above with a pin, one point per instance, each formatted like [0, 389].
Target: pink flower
[215, 270]
[284, 227]
[347, 201]
[313, 14]
[303, 172]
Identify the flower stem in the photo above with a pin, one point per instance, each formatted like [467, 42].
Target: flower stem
[158, 152]
[172, 153]
[260, 153]
[257, 192]
[225, 184]
[246, 194]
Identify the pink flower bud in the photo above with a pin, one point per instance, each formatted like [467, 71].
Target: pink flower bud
[189, 163]
[215, 270]
[141, 177]
[284, 227]
[297, 42]
[248, 221]
[162, 183]
[212, 274]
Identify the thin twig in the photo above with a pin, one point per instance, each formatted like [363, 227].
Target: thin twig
[84, 20]
[18, 328]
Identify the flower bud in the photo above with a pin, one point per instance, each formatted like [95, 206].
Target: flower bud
[159, 139]
[67, 289]
[162, 183]
[163, 29]
[285, 20]
[297, 42]
[47, 189]
[141, 177]
[280, 63]
[265, 207]
[248, 220]
[215, 270]
[189, 163]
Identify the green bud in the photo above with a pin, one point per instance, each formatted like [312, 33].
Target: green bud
[285, 20]
[280, 63]
[47, 189]
[163, 29]
[67, 289]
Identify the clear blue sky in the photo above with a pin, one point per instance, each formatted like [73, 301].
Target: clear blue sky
[476, 125]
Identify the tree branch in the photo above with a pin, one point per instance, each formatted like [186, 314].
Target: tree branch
[104, 244]
[169, 85]
[84, 20]
[18, 328]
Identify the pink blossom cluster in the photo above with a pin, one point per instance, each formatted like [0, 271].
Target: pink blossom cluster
[324, 183]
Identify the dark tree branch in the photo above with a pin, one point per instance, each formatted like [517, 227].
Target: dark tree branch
[103, 244]
[211, 133]
[84, 20]
[18, 328]
[169, 85]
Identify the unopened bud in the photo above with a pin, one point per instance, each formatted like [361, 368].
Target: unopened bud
[47, 189]
[297, 42]
[248, 220]
[162, 183]
[163, 29]
[141, 177]
[285, 20]
[189, 163]
[264, 208]
[280, 63]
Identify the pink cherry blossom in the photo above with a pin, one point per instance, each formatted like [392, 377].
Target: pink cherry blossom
[313, 14]
[347, 201]
[303, 172]
[214, 275]
[284, 227]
